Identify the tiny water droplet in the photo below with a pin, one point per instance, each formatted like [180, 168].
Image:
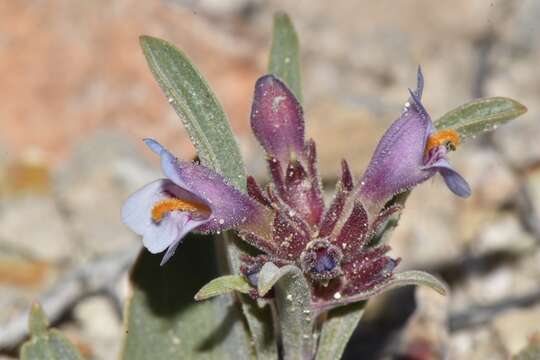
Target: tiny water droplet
[337, 296]
[170, 100]
[289, 297]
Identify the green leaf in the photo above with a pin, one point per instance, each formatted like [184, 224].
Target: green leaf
[405, 278]
[338, 329]
[164, 322]
[269, 276]
[481, 115]
[223, 285]
[44, 343]
[285, 54]
[293, 303]
[209, 130]
[197, 106]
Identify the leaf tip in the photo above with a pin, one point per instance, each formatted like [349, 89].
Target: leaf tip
[37, 321]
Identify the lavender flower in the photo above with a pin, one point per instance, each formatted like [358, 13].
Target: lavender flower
[410, 152]
[289, 222]
[192, 198]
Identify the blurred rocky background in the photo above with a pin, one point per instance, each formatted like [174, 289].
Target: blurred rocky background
[77, 97]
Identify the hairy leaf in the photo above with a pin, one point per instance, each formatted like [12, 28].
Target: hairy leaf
[295, 317]
[210, 132]
[45, 343]
[269, 276]
[480, 115]
[285, 54]
[197, 106]
[405, 278]
[223, 285]
[338, 329]
[164, 322]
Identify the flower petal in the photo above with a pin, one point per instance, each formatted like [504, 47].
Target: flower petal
[137, 210]
[455, 182]
[277, 119]
[397, 162]
[167, 233]
[229, 206]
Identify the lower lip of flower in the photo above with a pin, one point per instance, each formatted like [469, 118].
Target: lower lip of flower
[163, 207]
[321, 260]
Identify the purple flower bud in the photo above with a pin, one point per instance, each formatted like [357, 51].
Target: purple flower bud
[277, 120]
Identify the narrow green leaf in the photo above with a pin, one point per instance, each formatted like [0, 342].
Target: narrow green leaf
[208, 127]
[338, 329]
[223, 285]
[285, 54]
[415, 277]
[481, 115]
[197, 106]
[164, 322]
[44, 343]
[295, 317]
[405, 278]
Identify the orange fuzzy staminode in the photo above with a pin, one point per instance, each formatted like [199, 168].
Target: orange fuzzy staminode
[164, 206]
[447, 137]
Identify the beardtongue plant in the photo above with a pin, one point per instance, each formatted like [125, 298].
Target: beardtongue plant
[292, 258]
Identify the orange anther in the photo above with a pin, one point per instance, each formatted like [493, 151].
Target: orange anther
[167, 205]
[447, 137]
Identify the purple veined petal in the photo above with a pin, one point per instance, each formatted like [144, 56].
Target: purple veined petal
[229, 207]
[277, 119]
[455, 182]
[397, 162]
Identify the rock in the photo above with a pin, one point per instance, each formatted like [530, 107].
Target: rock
[331, 124]
[93, 186]
[426, 335]
[503, 233]
[514, 327]
[99, 326]
[532, 185]
[476, 344]
[34, 225]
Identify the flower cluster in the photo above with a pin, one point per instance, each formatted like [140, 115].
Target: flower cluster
[288, 222]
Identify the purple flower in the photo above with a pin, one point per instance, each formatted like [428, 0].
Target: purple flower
[288, 222]
[192, 198]
[410, 152]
